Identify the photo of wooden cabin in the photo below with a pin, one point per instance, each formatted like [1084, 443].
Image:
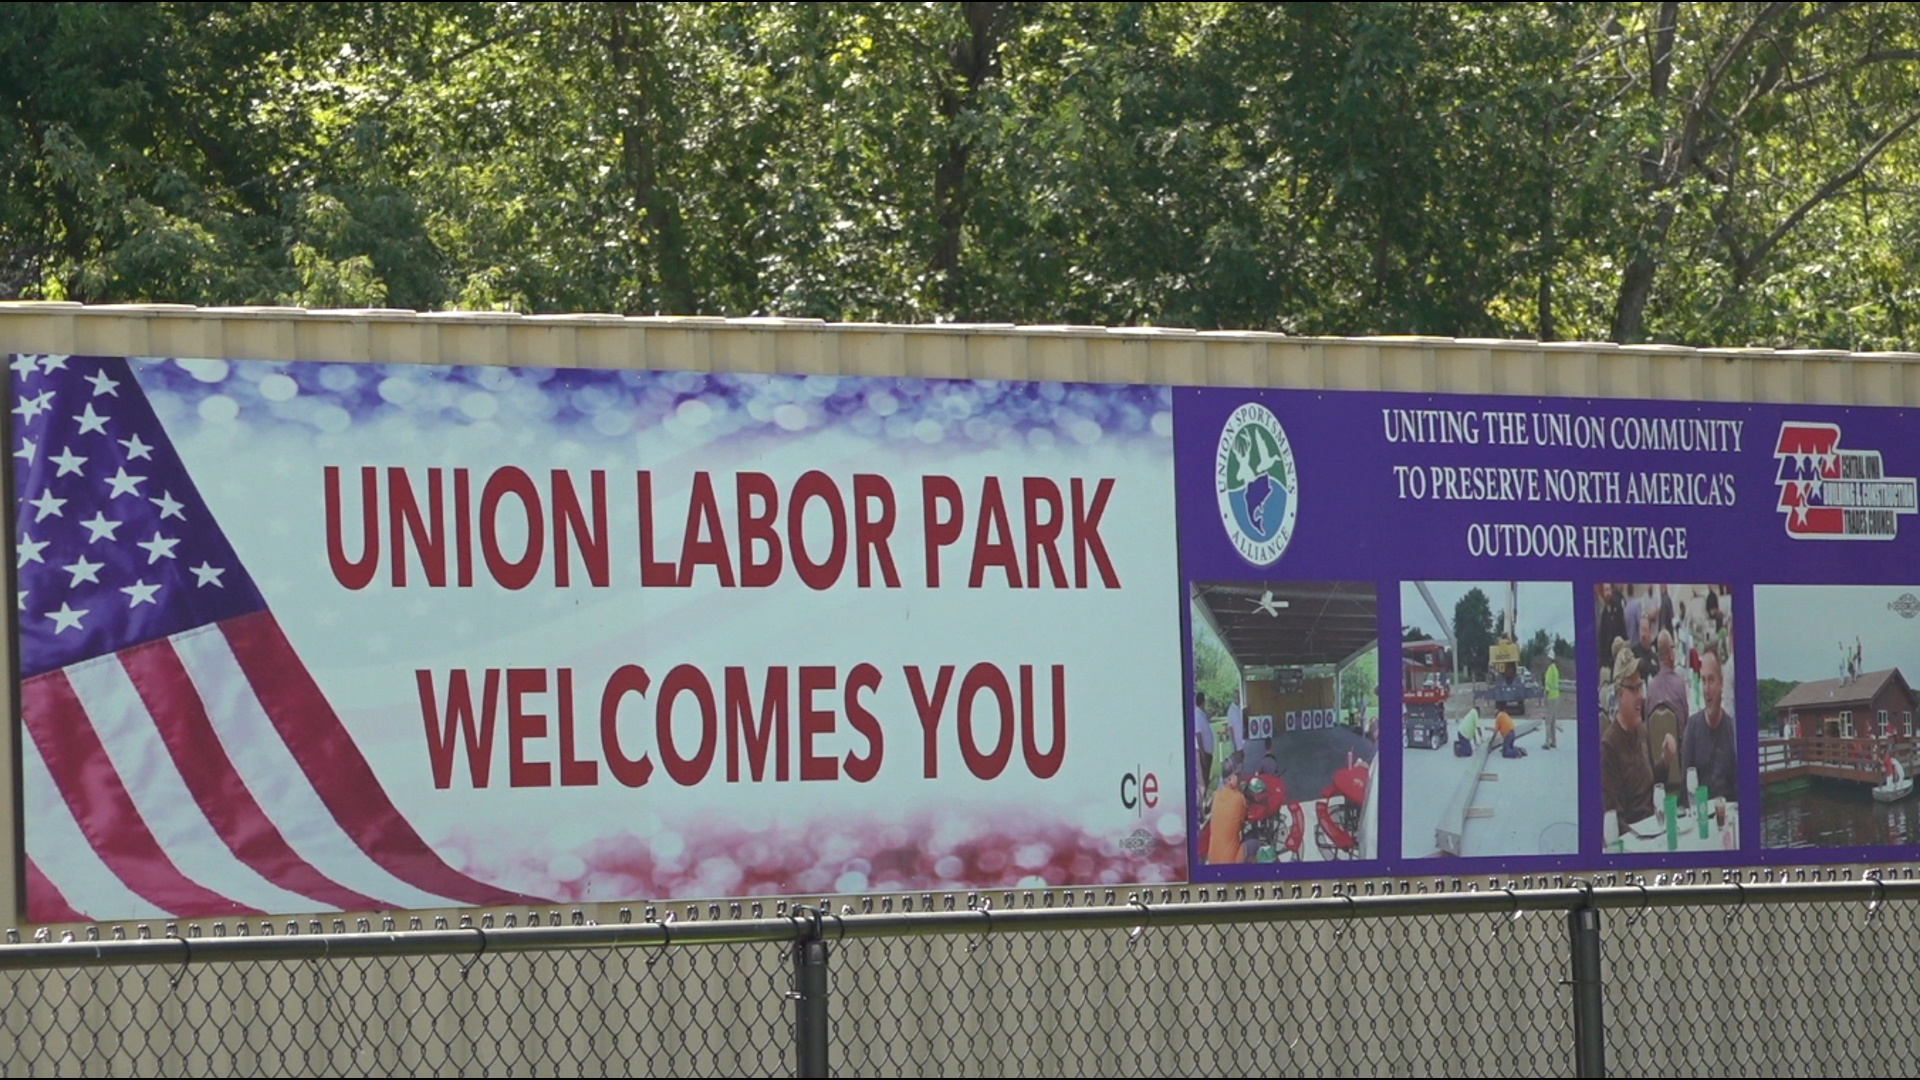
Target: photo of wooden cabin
[1872, 707]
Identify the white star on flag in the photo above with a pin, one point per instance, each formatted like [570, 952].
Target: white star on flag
[99, 528]
[51, 364]
[24, 365]
[30, 550]
[84, 571]
[208, 575]
[69, 462]
[67, 618]
[137, 449]
[103, 385]
[34, 406]
[124, 484]
[142, 593]
[168, 507]
[46, 506]
[160, 547]
[27, 449]
[92, 421]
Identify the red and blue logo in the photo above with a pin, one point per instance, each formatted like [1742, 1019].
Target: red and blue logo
[1828, 492]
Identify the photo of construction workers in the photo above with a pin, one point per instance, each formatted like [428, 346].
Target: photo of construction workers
[1491, 766]
[1668, 777]
[1285, 721]
[1836, 714]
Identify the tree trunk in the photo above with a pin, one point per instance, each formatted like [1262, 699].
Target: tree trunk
[634, 47]
[973, 61]
[1549, 255]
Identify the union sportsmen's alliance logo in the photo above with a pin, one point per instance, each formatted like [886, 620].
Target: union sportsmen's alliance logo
[1830, 493]
[1257, 482]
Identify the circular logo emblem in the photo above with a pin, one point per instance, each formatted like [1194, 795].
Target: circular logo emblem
[1258, 485]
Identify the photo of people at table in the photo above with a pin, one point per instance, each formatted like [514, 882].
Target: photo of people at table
[1285, 721]
[1668, 774]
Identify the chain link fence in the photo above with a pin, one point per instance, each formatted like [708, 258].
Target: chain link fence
[1795, 977]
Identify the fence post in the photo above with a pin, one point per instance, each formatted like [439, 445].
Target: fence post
[1589, 1031]
[810, 998]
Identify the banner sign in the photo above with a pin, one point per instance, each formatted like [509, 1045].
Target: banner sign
[296, 637]
[299, 636]
[1604, 634]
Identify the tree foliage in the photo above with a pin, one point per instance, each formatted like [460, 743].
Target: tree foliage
[1214, 674]
[1473, 629]
[1360, 687]
[1722, 174]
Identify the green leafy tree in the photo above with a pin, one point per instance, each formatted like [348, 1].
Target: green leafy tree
[1539, 645]
[1769, 692]
[1215, 675]
[1706, 174]
[1360, 686]
[1473, 629]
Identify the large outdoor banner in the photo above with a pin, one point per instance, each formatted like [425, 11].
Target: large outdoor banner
[301, 636]
[1619, 633]
[295, 637]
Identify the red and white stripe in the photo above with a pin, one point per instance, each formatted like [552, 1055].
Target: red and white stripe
[205, 774]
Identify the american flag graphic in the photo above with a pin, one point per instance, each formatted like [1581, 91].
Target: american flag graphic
[178, 759]
[1808, 454]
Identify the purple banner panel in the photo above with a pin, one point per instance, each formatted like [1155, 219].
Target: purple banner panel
[1522, 634]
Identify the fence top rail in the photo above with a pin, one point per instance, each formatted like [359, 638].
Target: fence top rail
[805, 923]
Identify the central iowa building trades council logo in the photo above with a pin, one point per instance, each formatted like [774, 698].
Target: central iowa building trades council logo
[1258, 485]
[1834, 492]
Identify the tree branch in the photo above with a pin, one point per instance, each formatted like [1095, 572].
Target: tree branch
[1697, 106]
[1878, 56]
[1826, 191]
[1661, 71]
